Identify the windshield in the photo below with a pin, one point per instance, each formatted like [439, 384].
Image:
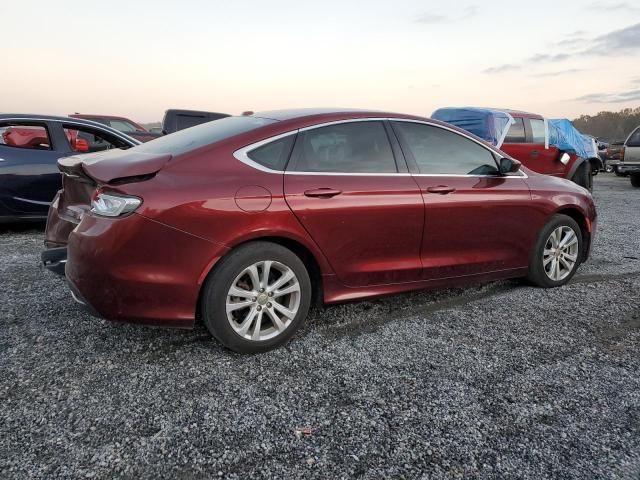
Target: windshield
[204, 134]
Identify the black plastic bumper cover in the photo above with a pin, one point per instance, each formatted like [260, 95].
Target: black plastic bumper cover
[55, 259]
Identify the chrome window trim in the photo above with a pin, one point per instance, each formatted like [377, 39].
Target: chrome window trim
[241, 154]
[350, 174]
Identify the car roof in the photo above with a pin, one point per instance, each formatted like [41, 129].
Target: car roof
[319, 113]
[93, 115]
[205, 112]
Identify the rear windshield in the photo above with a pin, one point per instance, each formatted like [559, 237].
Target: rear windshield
[204, 134]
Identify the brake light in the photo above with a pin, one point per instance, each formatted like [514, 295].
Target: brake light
[622, 154]
[112, 204]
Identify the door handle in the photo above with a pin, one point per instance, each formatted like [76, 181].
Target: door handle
[1, 159]
[322, 192]
[441, 189]
[534, 153]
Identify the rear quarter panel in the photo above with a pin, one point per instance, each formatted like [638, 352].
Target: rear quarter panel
[216, 197]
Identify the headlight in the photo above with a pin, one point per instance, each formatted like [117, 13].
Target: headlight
[110, 205]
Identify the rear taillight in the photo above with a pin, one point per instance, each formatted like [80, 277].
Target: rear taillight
[109, 204]
[622, 154]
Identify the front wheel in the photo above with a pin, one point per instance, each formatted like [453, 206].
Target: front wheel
[635, 180]
[256, 297]
[557, 253]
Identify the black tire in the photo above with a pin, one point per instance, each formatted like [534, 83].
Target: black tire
[537, 274]
[215, 290]
[584, 176]
[618, 173]
[635, 180]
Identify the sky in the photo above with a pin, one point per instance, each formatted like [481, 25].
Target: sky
[559, 58]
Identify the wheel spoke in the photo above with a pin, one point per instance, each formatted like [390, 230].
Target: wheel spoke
[572, 243]
[241, 292]
[276, 320]
[284, 310]
[286, 277]
[546, 261]
[246, 324]
[569, 237]
[554, 269]
[566, 264]
[266, 269]
[256, 329]
[255, 278]
[571, 258]
[233, 306]
[295, 287]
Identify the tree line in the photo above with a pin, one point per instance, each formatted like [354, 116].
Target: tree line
[610, 126]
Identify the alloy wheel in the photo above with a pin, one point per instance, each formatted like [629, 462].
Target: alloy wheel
[263, 300]
[560, 254]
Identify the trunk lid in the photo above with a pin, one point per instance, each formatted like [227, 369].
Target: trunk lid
[83, 174]
[105, 167]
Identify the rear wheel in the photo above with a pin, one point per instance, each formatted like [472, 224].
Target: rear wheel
[584, 176]
[557, 253]
[635, 180]
[256, 297]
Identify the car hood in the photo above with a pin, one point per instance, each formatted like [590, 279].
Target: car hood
[104, 167]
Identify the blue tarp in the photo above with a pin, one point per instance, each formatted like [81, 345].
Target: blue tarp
[488, 124]
[492, 125]
[563, 134]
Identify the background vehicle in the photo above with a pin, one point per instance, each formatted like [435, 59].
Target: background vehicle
[121, 124]
[602, 146]
[30, 146]
[302, 205]
[630, 158]
[175, 120]
[612, 155]
[529, 138]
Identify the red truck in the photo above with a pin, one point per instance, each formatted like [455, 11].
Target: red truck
[551, 147]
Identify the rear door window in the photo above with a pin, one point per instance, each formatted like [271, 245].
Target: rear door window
[516, 133]
[32, 136]
[352, 147]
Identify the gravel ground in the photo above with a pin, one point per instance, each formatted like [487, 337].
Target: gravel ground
[502, 380]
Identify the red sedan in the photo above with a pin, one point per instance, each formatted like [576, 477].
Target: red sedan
[245, 221]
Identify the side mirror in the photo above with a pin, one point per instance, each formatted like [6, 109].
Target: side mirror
[564, 158]
[509, 165]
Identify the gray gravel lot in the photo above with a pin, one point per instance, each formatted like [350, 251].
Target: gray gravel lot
[502, 380]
